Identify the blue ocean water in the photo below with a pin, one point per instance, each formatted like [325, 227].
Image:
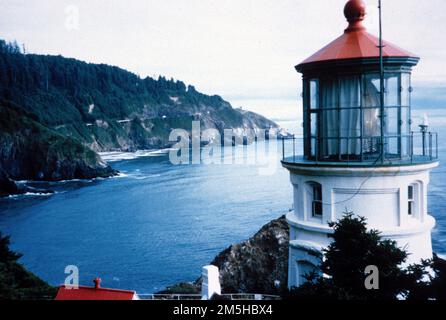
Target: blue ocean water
[158, 224]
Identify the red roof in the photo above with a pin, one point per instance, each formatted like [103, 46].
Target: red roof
[93, 293]
[356, 42]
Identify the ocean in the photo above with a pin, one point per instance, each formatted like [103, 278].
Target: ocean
[157, 224]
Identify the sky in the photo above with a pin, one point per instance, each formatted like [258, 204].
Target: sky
[240, 49]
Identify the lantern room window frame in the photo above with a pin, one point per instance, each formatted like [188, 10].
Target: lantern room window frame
[318, 143]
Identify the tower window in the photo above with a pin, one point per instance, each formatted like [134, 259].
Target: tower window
[411, 200]
[316, 199]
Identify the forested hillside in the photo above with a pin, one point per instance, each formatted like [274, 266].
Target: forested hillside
[56, 113]
[108, 108]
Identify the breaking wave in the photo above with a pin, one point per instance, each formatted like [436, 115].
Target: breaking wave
[115, 156]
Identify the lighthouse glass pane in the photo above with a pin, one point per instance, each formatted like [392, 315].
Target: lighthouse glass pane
[405, 146]
[392, 91]
[371, 116]
[405, 131]
[405, 121]
[371, 96]
[371, 131]
[314, 124]
[314, 94]
[313, 148]
[372, 124]
[392, 121]
[392, 144]
[350, 115]
[405, 89]
[330, 117]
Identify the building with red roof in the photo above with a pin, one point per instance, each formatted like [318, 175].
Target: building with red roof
[94, 293]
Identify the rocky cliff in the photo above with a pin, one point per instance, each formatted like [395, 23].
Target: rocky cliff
[31, 151]
[9, 187]
[257, 265]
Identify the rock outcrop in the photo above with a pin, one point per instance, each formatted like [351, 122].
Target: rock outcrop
[9, 187]
[31, 151]
[257, 265]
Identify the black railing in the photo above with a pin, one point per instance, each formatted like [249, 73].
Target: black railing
[414, 148]
[234, 296]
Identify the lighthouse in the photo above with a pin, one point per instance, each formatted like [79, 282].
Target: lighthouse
[362, 150]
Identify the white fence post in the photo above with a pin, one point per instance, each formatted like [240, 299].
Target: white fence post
[211, 282]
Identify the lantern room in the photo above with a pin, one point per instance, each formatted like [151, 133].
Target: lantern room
[345, 117]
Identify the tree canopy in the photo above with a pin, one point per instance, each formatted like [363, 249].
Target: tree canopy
[341, 274]
[16, 283]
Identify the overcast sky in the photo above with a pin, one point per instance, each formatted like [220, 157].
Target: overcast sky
[235, 48]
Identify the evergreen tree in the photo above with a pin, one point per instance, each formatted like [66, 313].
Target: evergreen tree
[5, 253]
[341, 275]
[438, 286]
[16, 282]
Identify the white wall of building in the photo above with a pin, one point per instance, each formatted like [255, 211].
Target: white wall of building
[380, 194]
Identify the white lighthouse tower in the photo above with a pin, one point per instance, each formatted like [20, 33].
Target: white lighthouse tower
[361, 151]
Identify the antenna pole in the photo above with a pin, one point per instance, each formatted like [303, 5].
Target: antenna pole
[382, 88]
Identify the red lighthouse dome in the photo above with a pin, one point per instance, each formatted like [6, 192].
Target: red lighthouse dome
[355, 43]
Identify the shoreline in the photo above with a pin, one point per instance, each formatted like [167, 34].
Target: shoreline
[33, 192]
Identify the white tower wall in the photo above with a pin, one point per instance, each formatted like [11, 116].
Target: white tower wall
[380, 194]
